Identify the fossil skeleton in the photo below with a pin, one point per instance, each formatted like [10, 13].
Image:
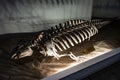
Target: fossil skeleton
[60, 38]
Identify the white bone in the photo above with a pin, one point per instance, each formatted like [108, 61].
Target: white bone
[69, 41]
[77, 37]
[93, 30]
[96, 30]
[73, 39]
[62, 44]
[70, 23]
[58, 46]
[81, 36]
[89, 34]
[65, 42]
[90, 30]
[84, 34]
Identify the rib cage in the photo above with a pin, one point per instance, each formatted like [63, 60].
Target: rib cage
[60, 38]
[75, 36]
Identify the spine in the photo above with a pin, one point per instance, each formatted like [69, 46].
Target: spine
[61, 38]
